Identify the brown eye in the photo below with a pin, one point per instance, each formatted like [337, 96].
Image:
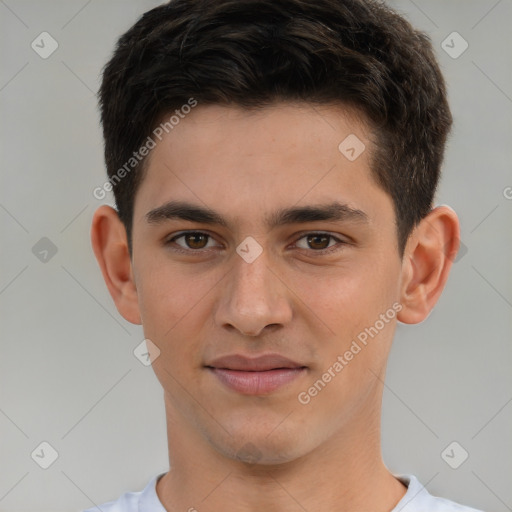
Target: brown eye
[318, 241]
[193, 241]
[196, 240]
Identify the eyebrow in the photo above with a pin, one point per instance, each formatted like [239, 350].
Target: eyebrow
[333, 212]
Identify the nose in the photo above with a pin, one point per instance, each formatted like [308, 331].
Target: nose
[254, 298]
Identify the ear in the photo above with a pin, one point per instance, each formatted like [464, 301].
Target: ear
[427, 260]
[110, 245]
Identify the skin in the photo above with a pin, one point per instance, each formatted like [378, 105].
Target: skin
[230, 451]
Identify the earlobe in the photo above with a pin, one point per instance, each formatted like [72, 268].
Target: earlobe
[110, 245]
[428, 257]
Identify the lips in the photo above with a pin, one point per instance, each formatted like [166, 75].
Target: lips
[254, 364]
[255, 376]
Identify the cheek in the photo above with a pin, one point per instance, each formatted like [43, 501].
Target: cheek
[349, 298]
[173, 305]
[351, 303]
[175, 312]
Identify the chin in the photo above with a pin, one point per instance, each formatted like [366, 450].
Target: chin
[261, 454]
[263, 446]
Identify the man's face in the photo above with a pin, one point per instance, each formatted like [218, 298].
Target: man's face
[329, 268]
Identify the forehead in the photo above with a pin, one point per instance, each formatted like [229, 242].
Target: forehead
[252, 162]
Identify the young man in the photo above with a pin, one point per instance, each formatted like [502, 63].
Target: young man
[274, 164]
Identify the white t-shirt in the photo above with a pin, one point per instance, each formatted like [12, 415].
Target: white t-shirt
[416, 499]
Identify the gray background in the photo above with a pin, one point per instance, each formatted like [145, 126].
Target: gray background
[68, 375]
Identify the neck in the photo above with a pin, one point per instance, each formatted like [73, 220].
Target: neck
[345, 473]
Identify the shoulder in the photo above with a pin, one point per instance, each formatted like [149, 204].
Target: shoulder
[128, 502]
[141, 501]
[418, 499]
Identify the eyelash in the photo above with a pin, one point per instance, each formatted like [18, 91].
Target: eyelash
[320, 252]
